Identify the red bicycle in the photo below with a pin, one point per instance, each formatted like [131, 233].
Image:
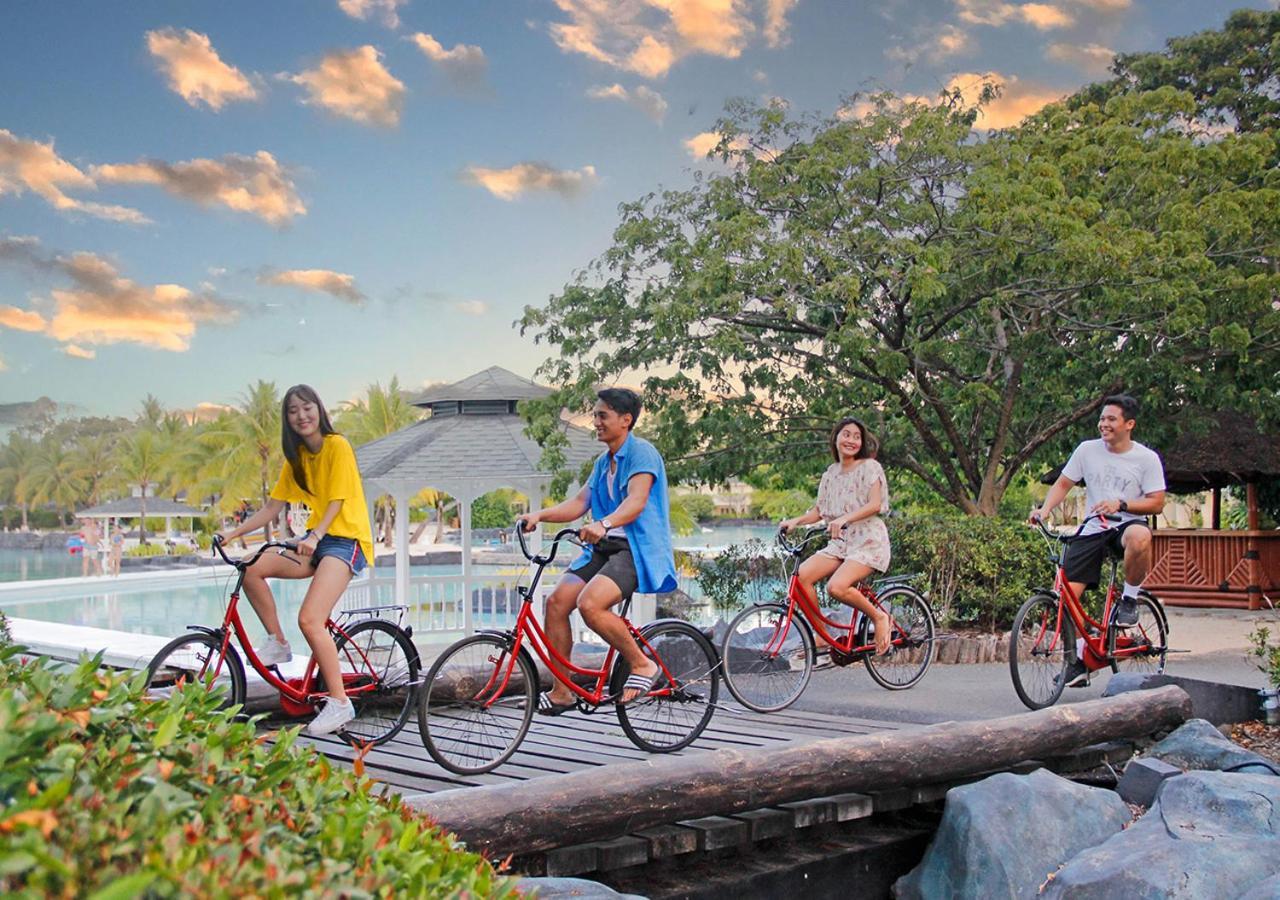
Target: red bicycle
[769, 651]
[378, 659]
[479, 697]
[1043, 637]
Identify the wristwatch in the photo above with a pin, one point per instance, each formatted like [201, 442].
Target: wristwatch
[1124, 506]
[606, 523]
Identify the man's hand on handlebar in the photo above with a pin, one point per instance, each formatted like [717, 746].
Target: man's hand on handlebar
[527, 522]
[592, 533]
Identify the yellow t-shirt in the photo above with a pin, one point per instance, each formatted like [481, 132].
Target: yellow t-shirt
[332, 474]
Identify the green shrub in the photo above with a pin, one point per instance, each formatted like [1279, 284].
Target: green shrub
[154, 548]
[103, 793]
[978, 570]
[739, 576]
[700, 507]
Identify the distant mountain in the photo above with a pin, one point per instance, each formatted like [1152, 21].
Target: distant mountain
[26, 411]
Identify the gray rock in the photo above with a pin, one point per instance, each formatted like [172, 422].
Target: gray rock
[1142, 779]
[1210, 834]
[1264, 890]
[564, 888]
[1199, 745]
[1004, 835]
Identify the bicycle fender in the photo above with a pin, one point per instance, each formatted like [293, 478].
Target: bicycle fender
[656, 622]
[205, 629]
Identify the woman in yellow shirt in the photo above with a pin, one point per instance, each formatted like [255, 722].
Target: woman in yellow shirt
[319, 470]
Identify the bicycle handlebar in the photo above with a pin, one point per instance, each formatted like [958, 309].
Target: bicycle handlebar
[568, 534]
[1053, 535]
[245, 562]
[809, 531]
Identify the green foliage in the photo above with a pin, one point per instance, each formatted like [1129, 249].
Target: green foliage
[778, 505]
[102, 791]
[700, 507]
[739, 576]
[973, 295]
[978, 570]
[141, 550]
[1237, 514]
[1267, 654]
[493, 510]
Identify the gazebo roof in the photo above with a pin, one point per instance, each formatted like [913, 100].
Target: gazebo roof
[131, 507]
[494, 383]
[476, 437]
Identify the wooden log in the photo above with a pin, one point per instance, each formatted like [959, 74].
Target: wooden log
[610, 801]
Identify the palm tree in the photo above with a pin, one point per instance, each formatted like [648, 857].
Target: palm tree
[382, 411]
[140, 463]
[438, 499]
[17, 462]
[54, 477]
[241, 450]
[95, 463]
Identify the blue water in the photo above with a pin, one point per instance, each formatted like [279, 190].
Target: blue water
[36, 565]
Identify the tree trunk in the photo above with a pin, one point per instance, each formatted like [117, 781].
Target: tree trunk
[25, 525]
[142, 522]
[610, 801]
[439, 521]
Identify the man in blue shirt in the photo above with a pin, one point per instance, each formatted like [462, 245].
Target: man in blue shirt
[628, 545]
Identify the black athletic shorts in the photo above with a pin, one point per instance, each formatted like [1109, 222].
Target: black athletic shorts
[1085, 555]
[611, 558]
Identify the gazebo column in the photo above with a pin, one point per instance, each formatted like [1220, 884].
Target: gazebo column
[402, 547]
[536, 492]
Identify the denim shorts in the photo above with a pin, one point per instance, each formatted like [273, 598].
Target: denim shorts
[346, 549]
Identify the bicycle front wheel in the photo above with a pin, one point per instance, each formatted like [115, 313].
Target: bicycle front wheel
[380, 673]
[767, 658]
[913, 632]
[1142, 648]
[196, 661]
[678, 708]
[1038, 651]
[475, 706]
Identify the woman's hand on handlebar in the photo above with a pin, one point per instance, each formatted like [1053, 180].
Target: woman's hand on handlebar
[307, 546]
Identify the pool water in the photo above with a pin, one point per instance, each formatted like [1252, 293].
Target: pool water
[37, 565]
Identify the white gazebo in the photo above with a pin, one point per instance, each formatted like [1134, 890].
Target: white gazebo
[472, 443]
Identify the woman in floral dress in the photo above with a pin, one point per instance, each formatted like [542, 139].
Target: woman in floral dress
[851, 498]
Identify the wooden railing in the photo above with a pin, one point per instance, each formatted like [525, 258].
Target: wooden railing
[1201, 567]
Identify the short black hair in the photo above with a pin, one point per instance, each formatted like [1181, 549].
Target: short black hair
[623, 402]
[1128, 405]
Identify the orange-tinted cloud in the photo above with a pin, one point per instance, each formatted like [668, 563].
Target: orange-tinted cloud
[36, 167]
[77, 352]
[355, 85]
[775, 21]
[1094, 59]
[1042, 16]
[256, 184]
[465, 65]
[324, 281]
[522, 178]
[194, 70]
[387, 10]
[21, 319]
[1017, 99]
[102, 307]
[647, 100]
[471, 307]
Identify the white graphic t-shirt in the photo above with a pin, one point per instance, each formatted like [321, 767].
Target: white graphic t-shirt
[1114, 476]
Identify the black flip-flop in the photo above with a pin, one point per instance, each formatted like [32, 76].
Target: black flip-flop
[548, 707]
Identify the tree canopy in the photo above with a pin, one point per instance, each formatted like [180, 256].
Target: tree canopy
[973, 296]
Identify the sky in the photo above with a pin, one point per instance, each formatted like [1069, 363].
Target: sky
[198, 195]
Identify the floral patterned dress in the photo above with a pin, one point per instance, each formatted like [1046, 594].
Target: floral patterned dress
[841, 492]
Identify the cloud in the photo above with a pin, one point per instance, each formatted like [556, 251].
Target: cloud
[363, 9]
[471, 307]
[647, 100]
[1094, 59]
[322, 280]
[932, 44]
[78, 352]
[102, 307]
[256, 184]
[700, 145]
[1042, 16]
[355, 85]
[195, 71]
[511, 183]
[4, 366]
[1017, 99]
[21, 319]
[36, 167]
[465, 65]
[1106, 6]
[649, 36]
[775, 21]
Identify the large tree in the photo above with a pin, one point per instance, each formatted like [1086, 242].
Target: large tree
[973, 295]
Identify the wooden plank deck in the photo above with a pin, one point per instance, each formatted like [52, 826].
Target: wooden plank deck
[574, 741]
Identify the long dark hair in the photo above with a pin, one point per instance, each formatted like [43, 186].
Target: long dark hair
[870, 444]
[289, 440]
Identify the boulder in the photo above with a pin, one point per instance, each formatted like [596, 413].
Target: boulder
[1209, 834]
[1004, 835]
[566, 888]
[1199, 745]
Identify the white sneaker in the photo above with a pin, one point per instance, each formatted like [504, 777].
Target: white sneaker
[274, 651]
[331, 718]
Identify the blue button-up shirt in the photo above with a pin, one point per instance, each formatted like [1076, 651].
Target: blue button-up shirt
[650, 534]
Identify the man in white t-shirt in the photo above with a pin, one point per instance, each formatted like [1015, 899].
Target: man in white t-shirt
[1124, 481]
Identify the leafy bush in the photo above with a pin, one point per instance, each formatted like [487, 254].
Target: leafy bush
[103, 793]
[700, 507]
[778, 505]
[740, 575]
[493, 510]
[151, 549]
[978, 570]
[1267, 654]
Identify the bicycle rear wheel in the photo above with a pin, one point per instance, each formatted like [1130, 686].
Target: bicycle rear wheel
[380, 672]
[470, 722]
[196, 661]
[684, 703]
[767, 659]
[1038, 651]
[1143, 646]
[912, 637]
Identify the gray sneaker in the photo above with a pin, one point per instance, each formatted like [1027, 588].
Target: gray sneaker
[331, 718]
[273, 651]
[1077, 674]
[1127, 612]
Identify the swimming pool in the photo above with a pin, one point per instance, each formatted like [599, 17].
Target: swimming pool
[37, 565]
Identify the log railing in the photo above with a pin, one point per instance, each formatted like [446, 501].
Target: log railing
[1201, 567]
